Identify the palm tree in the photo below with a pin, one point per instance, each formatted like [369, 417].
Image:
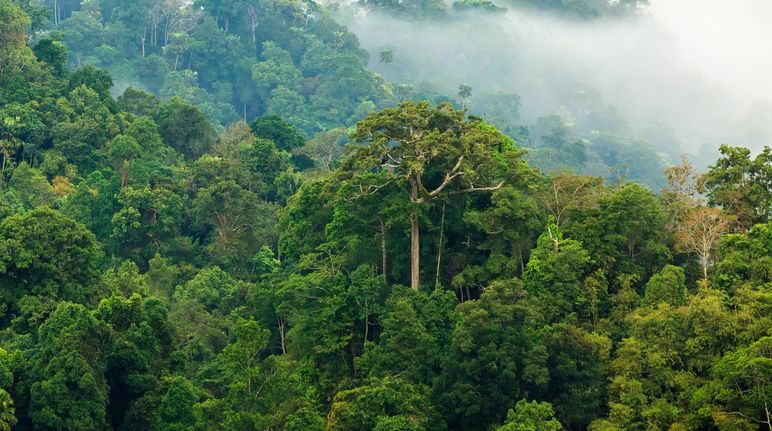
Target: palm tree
[178, 44]
[387, 56]
[403, 92]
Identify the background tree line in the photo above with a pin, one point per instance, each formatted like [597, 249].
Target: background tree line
[239, 59]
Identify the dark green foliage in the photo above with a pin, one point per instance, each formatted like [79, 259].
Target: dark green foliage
[47, 254]
[579, 365]
[93, 203]
[414, 325]
[98, 80]
[273, 128]
[496, 355]
[666, 286]
[175, 405]
[138, 102]
[53, 53]
[185, 128]
[69, 390]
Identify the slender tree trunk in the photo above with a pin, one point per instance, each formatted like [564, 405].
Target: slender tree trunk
[353, 346]
[154, 33]
[415, 242]
[705, 269]
[252, 11]
[142, 40]
[383, 252]
[281, 335]
[415, 252]
[124, 175]
[439, 247]
[367, 330]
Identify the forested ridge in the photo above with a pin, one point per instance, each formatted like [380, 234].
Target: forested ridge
[214, 216]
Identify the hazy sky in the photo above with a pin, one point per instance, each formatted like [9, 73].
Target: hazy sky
[728, 41]
[703, 67]
[730, 45]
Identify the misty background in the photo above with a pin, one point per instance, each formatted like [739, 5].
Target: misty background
[683, 76]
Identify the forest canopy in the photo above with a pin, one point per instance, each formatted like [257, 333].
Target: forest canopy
[214, 216]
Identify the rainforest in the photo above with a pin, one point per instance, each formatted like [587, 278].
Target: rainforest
[385, 215]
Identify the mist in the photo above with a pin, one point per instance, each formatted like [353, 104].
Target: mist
[695, 71]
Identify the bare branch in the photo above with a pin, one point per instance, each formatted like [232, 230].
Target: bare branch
[448, 178]
[371, 189]
[479, 189]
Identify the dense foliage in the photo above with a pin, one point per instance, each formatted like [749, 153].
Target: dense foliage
[161, 273]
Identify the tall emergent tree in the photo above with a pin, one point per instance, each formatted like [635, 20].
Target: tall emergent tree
[464, 92]
[431, 152]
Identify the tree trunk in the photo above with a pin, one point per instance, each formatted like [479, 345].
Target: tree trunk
[252, 12]
[383, 252]
[415, 251]
[439, 248]
[415, 244]
[367, 330]
[124, 175]
[281, 335]
[142, 40]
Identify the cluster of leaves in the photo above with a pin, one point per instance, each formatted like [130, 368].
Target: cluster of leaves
[155, 275]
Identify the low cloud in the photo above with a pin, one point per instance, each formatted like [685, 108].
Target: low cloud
[700, 68]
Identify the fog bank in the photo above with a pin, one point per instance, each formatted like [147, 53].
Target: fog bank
[700, 67]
